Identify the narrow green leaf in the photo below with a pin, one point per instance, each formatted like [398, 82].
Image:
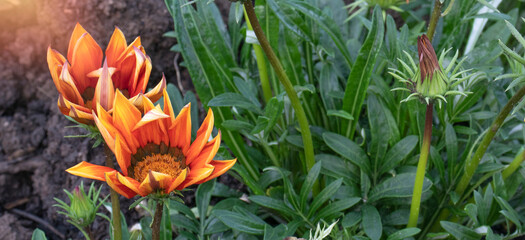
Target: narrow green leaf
[362, 69]
[324, 196]
[460, 232]
[272, 203]
[371, 222]
[334, 208]
[347, 149]
[401, 185]
[233, 100]
[404, 233]
[202, 198]
[239, 222]
[398, 152]
[308, 184]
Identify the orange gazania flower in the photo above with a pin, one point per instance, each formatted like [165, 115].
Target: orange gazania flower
[82, 83]
[153, 149]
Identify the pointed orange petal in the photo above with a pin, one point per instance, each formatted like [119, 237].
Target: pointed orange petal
[88, 170]
[221, 166]
[116, 47]
[157, 92]
[155, 181]
[207, 153]
[153, 115]
[68, 88]
[203, 134]
[105, 126]
[77, 33]
[125, 117]
[140, 62]
[131, 183]
[80, 114]
[55, 60]
[195, 176]
[104, 91]
[113, 182]
[122, 154]
[180, 130]
[177, 181]
[87, 57]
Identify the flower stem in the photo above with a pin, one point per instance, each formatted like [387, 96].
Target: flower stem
[155, 226]
[288, 87]
[472, 164]
[422, 164]
[87, 233]
[115, 203]
[261, 65]
[514, 165]
[434, 18]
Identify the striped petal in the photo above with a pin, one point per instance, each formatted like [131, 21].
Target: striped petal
[55, 60]
[89, 170]
[122, 154]
[221, 166]
[104, 124]
[104, 91]
[156, 93]
[195, 176]
[113, 182]
[131, 183]
[125, 117]
[180, 131]
[177, 181]
[155, 181]
[78, 31]
[207, 153]
[203, 134]
[67, 86]
[86, 57]
[116, 47]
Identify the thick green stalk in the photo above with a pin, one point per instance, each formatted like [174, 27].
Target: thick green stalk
[514, 165]
[288, 87]
[261, 65]
[472, 164]
[434, 18]
[155, 226]
[115, 202]
[421, 166]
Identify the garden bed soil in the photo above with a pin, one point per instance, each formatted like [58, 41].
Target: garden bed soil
[33, 150]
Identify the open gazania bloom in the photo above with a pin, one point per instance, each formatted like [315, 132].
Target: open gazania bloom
[429, 82]
[82, 81]
[153, 149]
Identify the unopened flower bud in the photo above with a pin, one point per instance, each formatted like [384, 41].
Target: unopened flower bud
[432, 82]
[83, 209]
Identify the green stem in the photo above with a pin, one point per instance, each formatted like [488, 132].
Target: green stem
[261, 65]
[292, 95]
[155, 226]
[115, 203]
[87, 233]
[514, 165]
[472, 164]
[434, 18]
[421, 166]
[270, 153]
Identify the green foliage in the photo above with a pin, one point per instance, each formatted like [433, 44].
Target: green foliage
[366, 142]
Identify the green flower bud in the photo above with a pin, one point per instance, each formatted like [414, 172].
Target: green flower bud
[83, 209]
[431, 82]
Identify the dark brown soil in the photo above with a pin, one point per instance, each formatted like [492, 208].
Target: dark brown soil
[33, 150]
